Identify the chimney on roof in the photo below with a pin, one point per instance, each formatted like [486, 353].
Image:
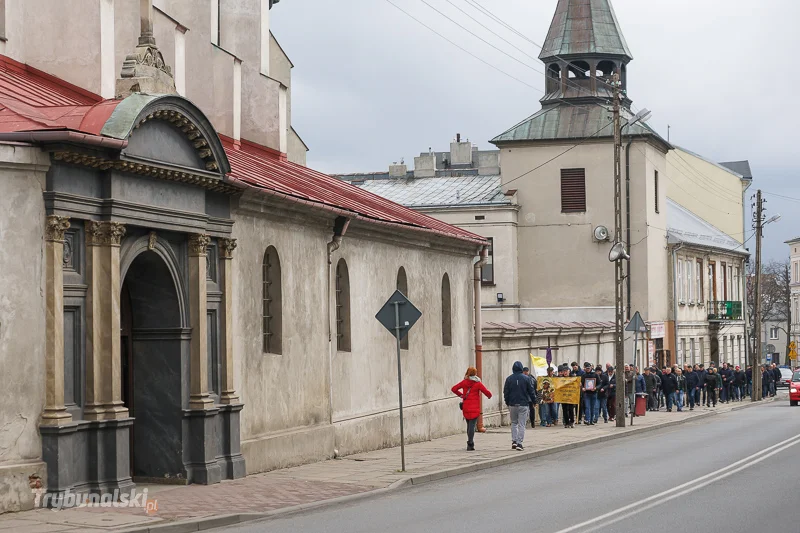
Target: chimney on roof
[144, 71]
[425, 165]
[461, 152]
[398, 170]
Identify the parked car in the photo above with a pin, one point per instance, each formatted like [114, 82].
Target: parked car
[786, 377]
[794, 389]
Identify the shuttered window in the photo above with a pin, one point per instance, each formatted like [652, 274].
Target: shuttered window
[573, 190]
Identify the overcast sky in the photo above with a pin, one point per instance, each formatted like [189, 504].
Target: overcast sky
[371, 85]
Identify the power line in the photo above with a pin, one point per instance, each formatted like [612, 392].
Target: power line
[559, 155]
[462, 48]
[492, 32]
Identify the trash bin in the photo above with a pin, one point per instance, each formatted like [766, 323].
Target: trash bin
[641, 404]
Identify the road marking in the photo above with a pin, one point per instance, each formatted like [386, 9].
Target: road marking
[681, 490]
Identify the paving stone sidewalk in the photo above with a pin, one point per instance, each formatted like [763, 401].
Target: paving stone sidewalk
[193, 507]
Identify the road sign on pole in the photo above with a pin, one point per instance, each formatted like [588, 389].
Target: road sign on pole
[398, 315]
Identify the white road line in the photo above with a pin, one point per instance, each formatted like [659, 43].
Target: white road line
[653, 501]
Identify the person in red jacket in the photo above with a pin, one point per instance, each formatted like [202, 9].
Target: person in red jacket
[469, 390]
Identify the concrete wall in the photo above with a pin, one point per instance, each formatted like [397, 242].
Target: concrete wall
[292, 415]
[560, 263]
[64, 39]
[22, 309]
[499, 223]
[708, 190]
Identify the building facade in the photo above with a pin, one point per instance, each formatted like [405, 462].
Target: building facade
[707, 301]
[184, 301]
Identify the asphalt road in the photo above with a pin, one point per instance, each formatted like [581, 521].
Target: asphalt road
[731, 473]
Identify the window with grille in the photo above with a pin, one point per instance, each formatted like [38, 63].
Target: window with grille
[447, 322]
[573, 190]
[342, 307]
[272, 303]
[402, 286]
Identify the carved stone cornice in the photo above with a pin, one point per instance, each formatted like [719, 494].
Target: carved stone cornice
[145, 55]
[226, 248]
[104, 233]
[198, 245]
[55, 227]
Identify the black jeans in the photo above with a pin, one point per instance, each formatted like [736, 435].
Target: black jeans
[569, 413]
[471, 431]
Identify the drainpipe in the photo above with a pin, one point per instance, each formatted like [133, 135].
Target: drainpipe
[675, 300]
[483, 258]
[339, 229]
[628, 219]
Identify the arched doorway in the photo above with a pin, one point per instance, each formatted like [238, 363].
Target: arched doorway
[154, 349]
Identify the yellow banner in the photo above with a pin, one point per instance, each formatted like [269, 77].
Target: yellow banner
[567, 390]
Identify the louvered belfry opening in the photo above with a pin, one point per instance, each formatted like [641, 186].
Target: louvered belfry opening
[573, 190]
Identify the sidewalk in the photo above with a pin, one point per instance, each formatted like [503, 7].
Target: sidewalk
[197, 507]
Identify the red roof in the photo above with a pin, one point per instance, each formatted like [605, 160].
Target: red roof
[262, 168]
[32, 100]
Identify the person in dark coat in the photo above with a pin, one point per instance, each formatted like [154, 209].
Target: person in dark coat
[776, 379]
[591, 403]
[612, 393]
[692, 386]
[651, 385]
[669, 386]
[603, 382]
[518, 394]
[739, 384]
[711, 387]
[469, 390]
[578, 373]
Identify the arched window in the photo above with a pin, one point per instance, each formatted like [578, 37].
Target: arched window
[272, 304]
[402, 286]
[580, 69]
[342, 307]
[447, 321]
[553, 77]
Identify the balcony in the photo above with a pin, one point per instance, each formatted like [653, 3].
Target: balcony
[724, 311]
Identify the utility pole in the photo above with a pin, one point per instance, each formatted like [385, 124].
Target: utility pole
[619, 347]
[756, 356]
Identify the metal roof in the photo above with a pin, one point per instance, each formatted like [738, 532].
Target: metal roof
[740, 167]
[31, 100]
[512, 326]
[264, 169]
[561, 121]
[584, 27]
[683, 226]
[439, 192]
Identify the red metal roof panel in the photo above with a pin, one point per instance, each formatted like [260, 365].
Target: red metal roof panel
[261, 167]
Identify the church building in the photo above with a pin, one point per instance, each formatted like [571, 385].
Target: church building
[182, 300]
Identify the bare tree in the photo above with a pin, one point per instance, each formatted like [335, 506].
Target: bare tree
[775, 296]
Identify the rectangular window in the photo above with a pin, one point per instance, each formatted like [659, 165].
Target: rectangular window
[680, 281]
[487, 270]
[729, 283]
[699, 287]
[724, 269]
[573, 190]
[691, 351]
[690, 280]
[702, 351]
[773, 334]
[655, 183]
[712, 281]
[682, 355]
[737, 283]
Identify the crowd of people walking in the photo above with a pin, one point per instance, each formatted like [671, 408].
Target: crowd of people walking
[666, 387]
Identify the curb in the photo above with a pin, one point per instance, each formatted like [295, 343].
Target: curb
[202, 524]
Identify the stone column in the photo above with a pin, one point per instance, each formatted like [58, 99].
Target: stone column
[146, 23]
[199, 397]
[55, 413]
[226, 247]
[103, 353]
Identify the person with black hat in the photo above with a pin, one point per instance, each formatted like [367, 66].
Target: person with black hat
[711, 387]
[578, 373]
[589, 386]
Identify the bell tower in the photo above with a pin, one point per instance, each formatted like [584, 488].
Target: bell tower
[583, 49]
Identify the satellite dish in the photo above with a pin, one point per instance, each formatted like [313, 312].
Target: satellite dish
[601, 233]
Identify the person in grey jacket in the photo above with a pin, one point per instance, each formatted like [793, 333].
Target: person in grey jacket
[518, 394]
